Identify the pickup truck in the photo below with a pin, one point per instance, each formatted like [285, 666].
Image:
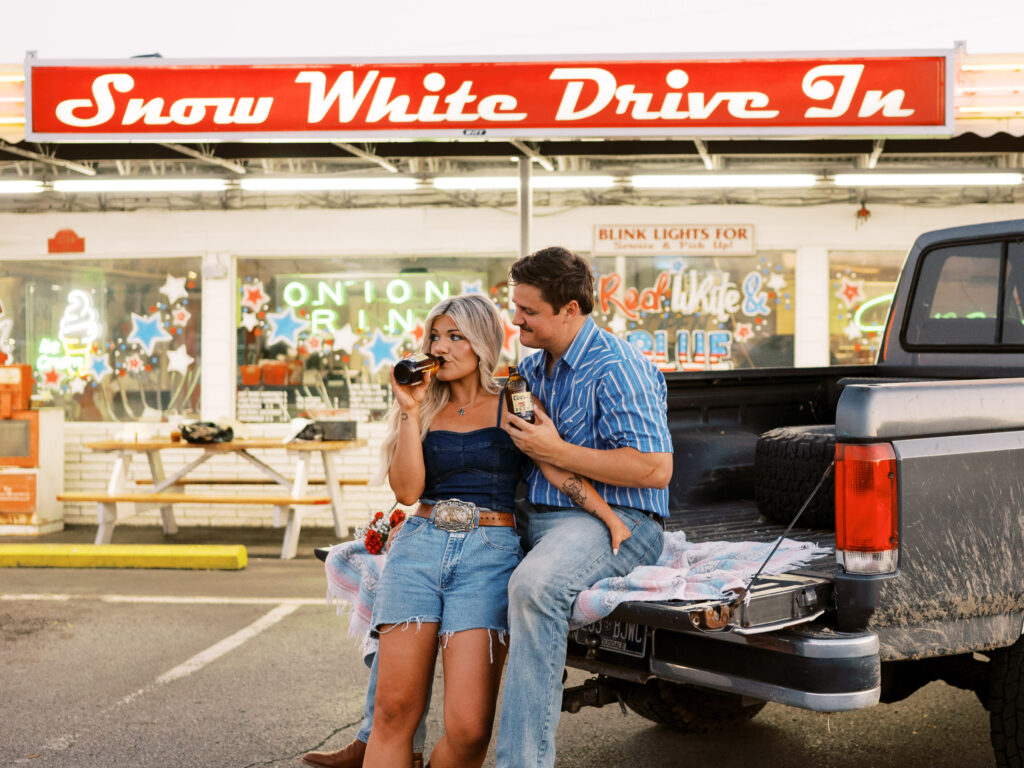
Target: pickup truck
[918, 461]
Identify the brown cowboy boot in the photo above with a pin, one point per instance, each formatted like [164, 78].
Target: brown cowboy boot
[349, 756]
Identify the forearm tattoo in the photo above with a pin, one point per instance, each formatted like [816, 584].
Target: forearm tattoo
[405, 417]
[573, 488]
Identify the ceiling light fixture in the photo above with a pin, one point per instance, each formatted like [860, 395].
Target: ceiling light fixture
[927, 179]
[723, 181]
[141, 185]
[476, 183]
[1005, 66]
[21, 187]
[327, 184]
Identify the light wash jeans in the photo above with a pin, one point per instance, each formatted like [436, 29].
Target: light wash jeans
[569, 551]
[419, 738]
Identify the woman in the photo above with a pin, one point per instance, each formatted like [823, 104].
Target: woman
[449, 563]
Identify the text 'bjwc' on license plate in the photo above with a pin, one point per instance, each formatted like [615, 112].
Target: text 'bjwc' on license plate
[618, 636]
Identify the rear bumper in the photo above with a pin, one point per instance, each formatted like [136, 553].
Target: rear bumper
[811, 667]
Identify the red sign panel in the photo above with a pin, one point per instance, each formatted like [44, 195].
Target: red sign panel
[161, 100]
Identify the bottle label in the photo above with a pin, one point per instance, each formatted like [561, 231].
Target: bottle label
[521, 402]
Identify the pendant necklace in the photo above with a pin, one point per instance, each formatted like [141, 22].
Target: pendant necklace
[462, 408]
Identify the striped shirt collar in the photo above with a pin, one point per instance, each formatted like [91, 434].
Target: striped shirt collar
[577, 351]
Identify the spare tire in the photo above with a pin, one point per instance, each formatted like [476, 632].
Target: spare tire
[788, 463]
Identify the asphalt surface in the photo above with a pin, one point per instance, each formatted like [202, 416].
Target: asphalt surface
[110, 667]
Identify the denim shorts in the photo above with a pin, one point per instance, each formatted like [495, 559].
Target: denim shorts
[459, 580]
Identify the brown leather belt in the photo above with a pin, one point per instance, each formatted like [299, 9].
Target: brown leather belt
[462, 520]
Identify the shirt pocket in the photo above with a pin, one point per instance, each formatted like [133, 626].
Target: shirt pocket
[574, 426]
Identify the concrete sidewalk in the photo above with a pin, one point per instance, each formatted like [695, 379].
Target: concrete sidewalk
[132, 544]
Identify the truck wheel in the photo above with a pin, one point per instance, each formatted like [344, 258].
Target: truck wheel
[1006, 705]
[690, 710]
[788, 463]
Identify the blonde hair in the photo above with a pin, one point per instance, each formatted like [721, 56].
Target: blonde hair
[477, 318]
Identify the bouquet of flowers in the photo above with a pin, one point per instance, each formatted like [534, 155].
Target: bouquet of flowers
[375, 533]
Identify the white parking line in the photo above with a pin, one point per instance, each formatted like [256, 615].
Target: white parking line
[186, 600]
[283, 607]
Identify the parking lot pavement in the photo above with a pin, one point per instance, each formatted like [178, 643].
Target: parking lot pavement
[105, 668]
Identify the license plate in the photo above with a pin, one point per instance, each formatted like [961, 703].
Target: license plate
[623, 637]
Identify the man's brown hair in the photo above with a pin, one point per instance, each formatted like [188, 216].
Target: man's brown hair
[559, 274]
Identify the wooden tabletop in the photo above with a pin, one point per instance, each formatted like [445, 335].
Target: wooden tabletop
[241, 444]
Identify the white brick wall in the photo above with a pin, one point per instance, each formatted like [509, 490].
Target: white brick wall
[86, 470]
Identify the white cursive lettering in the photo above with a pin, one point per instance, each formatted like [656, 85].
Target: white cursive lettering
[101, 99]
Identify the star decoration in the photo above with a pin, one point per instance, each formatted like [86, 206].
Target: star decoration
[253, 296]
[850, 292]
[51, 378]
[179, 360]
[100, 367]
[511, 334]
[77, 386]
[133, 363]
[678, 265]
[776, 282]
[174, 289]
[345, 338]
[743, 331]
[852, 331]
[476, 287]
[250, 321]
[286, 327]
[382, 351]
[147, 331]
[315, 344]
[417, 334]
[181, 316]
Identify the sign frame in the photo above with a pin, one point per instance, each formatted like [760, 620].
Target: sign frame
[943, 100]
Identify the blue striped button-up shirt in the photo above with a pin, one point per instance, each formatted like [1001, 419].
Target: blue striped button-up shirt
[604, 394]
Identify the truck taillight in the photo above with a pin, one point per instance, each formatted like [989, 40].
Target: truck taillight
[867, 539]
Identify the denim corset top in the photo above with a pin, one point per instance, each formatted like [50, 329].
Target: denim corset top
[482, 466]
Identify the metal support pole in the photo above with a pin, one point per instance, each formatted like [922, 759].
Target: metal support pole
[525, 206]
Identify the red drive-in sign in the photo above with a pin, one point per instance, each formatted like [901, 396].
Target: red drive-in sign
[160, 99]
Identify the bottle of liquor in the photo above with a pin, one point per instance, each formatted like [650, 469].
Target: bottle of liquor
[517, 395]
[409, 370]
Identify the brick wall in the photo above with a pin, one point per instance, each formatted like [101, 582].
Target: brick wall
[86, 470]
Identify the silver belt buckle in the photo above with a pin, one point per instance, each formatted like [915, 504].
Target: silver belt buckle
[455, 515]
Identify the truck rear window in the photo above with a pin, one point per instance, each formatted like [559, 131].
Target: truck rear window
[956, 301]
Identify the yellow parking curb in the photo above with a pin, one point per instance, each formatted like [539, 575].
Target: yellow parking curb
[196, 557]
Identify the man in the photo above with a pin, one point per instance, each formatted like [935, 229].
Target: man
[607, 421]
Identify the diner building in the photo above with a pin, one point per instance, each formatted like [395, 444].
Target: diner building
[198, 240]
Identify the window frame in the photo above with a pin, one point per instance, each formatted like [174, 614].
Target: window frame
[995, 346]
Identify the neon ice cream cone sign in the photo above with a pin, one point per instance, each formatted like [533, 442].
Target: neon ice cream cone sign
[79, 326]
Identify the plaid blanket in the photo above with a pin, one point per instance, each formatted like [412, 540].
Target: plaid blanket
[708, 571]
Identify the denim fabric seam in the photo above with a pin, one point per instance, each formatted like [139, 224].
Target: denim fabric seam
[486, 532]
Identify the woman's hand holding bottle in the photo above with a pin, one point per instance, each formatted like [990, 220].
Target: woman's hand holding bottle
[409, 396]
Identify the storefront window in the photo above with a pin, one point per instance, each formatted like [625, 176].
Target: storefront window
[701, 313]
[108, 340]
[861, 289]
[318, 334]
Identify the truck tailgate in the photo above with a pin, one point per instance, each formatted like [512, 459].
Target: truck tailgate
[774, 602]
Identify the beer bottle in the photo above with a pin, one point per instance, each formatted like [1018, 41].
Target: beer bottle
[409, 370]
[517, 395]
